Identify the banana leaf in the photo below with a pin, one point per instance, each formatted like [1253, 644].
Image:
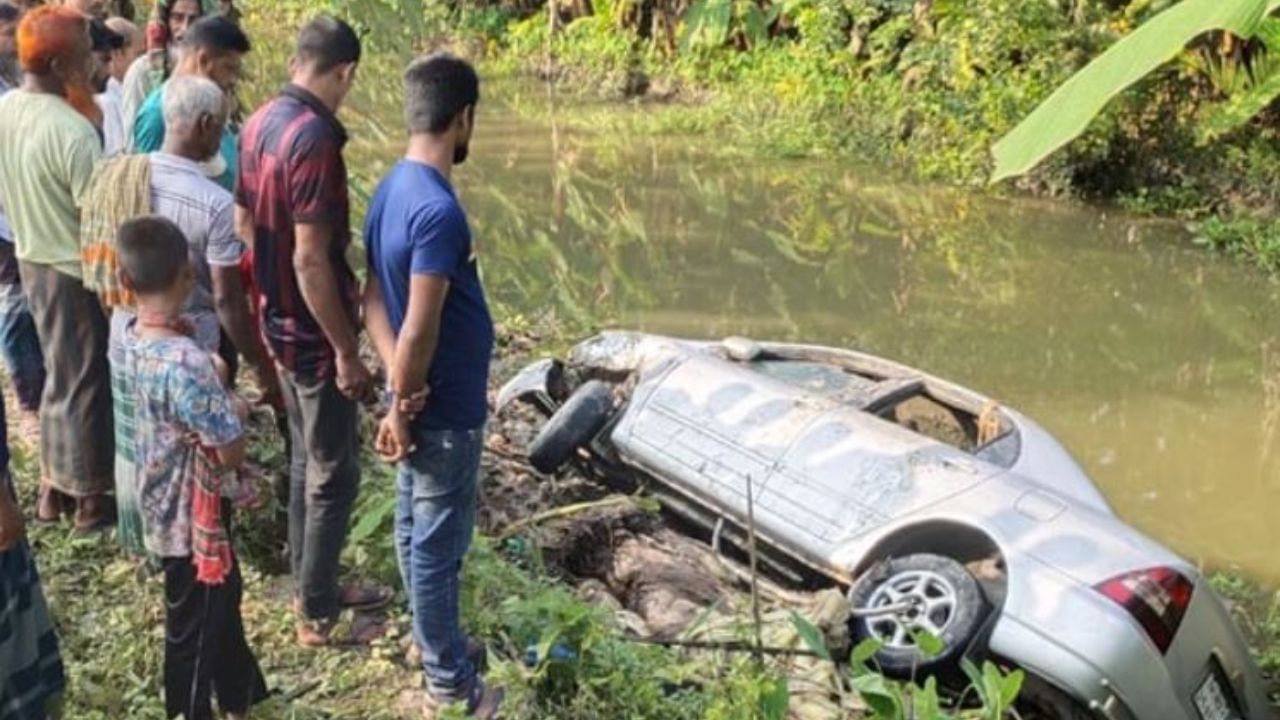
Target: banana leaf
[1069, 110]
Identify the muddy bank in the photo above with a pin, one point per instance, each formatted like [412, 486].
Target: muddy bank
[661, 583]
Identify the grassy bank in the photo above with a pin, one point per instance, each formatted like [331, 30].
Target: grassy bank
[558, 641]
[922, 86]
[109, 612]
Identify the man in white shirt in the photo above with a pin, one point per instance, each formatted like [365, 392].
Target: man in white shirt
[111, 100]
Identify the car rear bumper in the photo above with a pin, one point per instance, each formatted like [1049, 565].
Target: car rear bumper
[1071, 637]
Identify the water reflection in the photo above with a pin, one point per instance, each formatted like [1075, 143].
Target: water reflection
[1155, 362]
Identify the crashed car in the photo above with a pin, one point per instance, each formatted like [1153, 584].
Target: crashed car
[859, 472]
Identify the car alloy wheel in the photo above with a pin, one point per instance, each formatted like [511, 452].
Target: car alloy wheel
[898, 598]
[926, 601]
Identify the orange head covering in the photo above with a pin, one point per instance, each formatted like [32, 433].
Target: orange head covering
[51, 32]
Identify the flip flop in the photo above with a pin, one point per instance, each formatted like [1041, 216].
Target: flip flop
[360, 597]
[483, 702]
[358, 631]
[355, 597]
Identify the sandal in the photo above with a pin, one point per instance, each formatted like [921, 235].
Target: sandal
[51, 506]
[483, 702]
[94, 513]
[339, 633]
[361, 597]
[356, 597]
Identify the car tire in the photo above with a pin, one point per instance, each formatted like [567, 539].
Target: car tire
[574, 425]
[949, 604]
[1039, 700]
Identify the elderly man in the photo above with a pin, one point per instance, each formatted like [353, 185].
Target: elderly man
[177, 188]
[172, 18]
[19, 344]
[110, 100]
[214, 48]
[48, 148]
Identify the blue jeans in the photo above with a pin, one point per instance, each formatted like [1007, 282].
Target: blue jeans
[19, 344]
[435, 518]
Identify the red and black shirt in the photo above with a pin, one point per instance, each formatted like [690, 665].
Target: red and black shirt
[291, 172]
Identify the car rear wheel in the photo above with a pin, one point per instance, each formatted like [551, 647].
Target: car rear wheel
[931, 594]
[1041, 701]
[574, 425]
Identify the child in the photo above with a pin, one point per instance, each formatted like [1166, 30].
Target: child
[189, 440]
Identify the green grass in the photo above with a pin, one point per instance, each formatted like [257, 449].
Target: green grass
[109, 613]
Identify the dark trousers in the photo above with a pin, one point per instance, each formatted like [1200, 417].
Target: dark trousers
[324, 474]
[205, 650]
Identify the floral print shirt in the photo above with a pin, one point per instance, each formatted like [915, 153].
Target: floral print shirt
[179, 398]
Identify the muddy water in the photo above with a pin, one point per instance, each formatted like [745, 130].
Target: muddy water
[1157, 363]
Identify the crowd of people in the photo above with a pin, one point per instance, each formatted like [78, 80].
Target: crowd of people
[151, 241]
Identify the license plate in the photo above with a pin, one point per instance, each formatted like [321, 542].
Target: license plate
[1211, 700]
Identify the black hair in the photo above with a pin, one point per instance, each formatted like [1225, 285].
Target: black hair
[9, 12]
[164, 8]
[103, 37]
[151, 251]
[218, 34]
[436, 89]
[327, 42]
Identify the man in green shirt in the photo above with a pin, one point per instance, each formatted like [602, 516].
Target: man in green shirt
[48, 148]
[213, 48]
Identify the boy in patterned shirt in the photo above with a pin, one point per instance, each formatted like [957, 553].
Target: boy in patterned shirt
[190, 437]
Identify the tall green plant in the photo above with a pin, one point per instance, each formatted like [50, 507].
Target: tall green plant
[712, 23]
[1069, 110]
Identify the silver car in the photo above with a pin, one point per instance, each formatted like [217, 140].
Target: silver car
[937, 508]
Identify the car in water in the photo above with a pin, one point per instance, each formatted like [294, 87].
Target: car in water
[938, 509]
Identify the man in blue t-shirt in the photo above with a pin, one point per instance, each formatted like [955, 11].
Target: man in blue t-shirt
[426, 313]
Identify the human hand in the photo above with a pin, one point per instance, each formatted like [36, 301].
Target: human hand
[12, 528]
[412, 404]
[247, 495]
[221, 370]
[393, 442]
[354, 379]
[240, 407]
[269, 386]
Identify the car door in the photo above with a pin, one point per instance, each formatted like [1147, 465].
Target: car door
[708, 427]
[851, 472]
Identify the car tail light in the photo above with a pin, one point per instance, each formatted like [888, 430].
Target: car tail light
[1157, 598]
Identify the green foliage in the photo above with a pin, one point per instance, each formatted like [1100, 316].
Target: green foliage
[1078, 101]
[1257, 612]
[994, 691]
[1252, 238]
[711, 23]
